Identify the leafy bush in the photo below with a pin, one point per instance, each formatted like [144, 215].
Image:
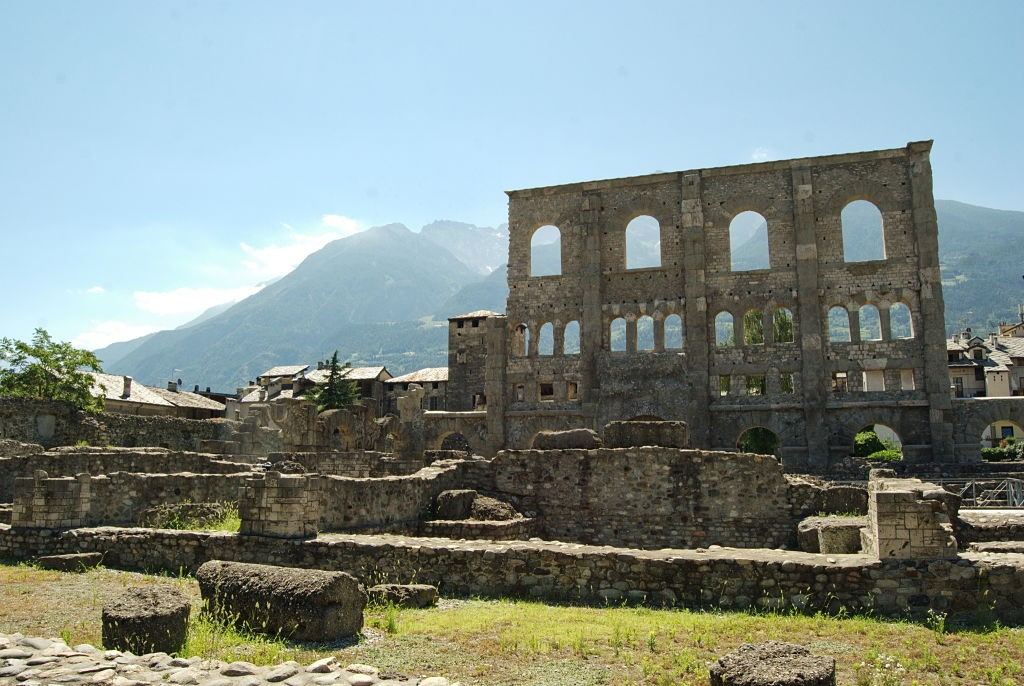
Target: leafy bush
[886, 455]
[1005, 453]
[867, 442]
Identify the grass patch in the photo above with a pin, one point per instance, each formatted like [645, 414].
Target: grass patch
[504, 642]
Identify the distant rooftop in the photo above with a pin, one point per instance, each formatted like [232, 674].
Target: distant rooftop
[428, 375]
[353, 373]
[284, 370]
[478, 314]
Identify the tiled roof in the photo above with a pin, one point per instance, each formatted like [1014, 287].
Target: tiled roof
[474, 315]
[188, 399]
[284, 370]
[255, 396]
[111, 386]
[428, 375]
[1013, 346]
[354, 373]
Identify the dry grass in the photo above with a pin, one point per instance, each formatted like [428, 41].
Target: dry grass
[504, 642]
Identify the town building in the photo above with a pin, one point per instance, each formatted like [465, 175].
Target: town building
[433, 381]
[124, 395]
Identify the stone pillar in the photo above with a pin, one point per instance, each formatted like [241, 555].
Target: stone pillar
[495, 385]
[410, 442]
[592, 323]
[695, 315]
[933, 326]
[44, 503]
[815, 382]
[908, 519]
[280, 506]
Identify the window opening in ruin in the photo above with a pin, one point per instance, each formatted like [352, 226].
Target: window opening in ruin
[479, 401]
[870, 323]
[753, 328]
[724, 382]
[1000, 434]
[571, 338]
[546, 339]
[521, 340]
[838, 325]
[786, 383]
[907, 380]
[546, 251]
[873, 380]
[460, 356]
[863, 232]
[460, 324]
[840, 382]
[755, 384]
[724, 333]
[476, 323]
[433, 402]
[617, 335]
[520, 392]
[748, 242]
[673, 332]
[874, 438]
[901, 324]
[783, 325]
[456, 441]
[645, 333]
[759, 440]
[547, 391]
[643, 243]
[572, 390]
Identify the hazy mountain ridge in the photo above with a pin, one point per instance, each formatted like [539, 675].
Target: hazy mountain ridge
[382, 297]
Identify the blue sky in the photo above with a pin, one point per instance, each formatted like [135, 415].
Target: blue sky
[157, 158]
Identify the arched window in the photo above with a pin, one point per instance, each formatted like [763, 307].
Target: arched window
[901, 324]
[838, 325]
[645, 333]
[878, 442]
[725, 335]
[753, 328]
[617, 337]
[783, 325]
[863, 234]
[546, 339]
[546, 251]
[673, 332]
[521, 340]
[758, 440]
[748, 242]
[870, 323]
[571, 338]
[643, 242]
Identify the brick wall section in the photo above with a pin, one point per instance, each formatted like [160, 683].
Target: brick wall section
[651, 497]
[970, 586]
[45, 503]
[280, 506]
[96, 461]
[907, 519]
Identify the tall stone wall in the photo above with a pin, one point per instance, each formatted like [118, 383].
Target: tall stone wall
[801, 201]
[280, 506]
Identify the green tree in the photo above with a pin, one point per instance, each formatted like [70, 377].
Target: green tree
[48, 370]
[339, 392]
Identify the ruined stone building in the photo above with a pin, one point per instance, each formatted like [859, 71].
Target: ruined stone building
[814, 345]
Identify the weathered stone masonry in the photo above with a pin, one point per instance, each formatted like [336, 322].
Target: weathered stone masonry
[801, 200]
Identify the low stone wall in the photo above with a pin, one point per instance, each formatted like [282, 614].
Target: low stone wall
[353, 463]
[386, 504]
[98, 461]
[658, 497]
[976, 586]
[52, 423]
[908, 518]
[511, 530]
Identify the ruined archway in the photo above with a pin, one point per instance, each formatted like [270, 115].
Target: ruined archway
[1001, 433]
[457, 442]
[878, 442]
[760, 440]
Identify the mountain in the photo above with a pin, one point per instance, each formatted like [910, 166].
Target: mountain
[481, 248]
[367, 295]
[383, 296]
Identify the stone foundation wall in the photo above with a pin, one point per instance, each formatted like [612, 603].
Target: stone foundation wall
[45, 503]
[99, 461]
[281, 506]
[353, 463]
[908, 519]
[971, 586]
[655, 497]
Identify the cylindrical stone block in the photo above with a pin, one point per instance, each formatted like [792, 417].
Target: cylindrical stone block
[152, 619]
[773, 664]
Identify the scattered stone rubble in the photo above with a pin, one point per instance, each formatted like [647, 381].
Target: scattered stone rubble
[31, 661]
[773, 664]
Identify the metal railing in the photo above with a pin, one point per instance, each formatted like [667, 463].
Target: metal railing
[1003, 493]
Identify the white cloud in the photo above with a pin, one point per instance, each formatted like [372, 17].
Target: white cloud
[111, 331]
[274, 260]
[96, 290]
[760, 155]
[188, 301]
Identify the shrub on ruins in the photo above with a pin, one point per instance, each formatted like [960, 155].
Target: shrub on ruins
[866, 443]
[886, 455]
[1004, 453]
[48, 370]
[339, 392]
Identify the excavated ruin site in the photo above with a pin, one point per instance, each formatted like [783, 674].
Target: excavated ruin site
[596, 477]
